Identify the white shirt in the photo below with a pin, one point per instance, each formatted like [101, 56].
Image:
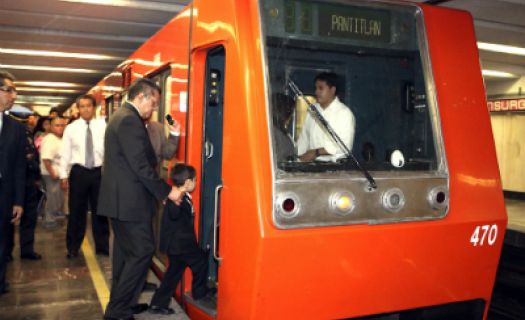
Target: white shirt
[313, 136]
[1, 121]
[74, 144]
[50, 150]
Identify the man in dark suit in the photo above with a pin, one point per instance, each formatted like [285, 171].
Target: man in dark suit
[129, 190]
[12, 170]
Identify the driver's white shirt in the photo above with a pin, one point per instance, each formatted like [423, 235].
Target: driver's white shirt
[313, 136]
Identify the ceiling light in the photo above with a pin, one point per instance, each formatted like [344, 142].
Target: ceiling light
[498, 74]
[147, 5]
[33, 98]
[51, 84]
[53, 104]
[59, 54]
[50, 69]
[501, 48]
[50, 90]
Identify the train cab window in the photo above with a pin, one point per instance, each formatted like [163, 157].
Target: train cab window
[377, 52]
[354, 81]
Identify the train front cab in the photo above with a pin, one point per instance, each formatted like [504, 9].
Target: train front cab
[295, 240]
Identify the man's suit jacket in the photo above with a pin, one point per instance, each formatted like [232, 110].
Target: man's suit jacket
[12, 165]
[130, 184]
[177, 232]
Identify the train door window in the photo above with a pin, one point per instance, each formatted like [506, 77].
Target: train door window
[383, 122]
[163, 80]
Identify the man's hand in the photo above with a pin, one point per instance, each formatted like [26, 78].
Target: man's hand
[17, 213]
[176, 194]
[64, 184]
[309, 155]
[175, 127]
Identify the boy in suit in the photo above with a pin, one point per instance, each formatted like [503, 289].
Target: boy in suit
[179, 242]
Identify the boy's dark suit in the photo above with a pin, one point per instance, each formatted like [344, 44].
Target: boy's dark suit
[129, 192]
[12, 183]
[178, 241]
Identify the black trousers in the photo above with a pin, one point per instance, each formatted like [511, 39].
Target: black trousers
[133, 248]
[84, 186]
[5, 226]
[27, 222]
[197, 261]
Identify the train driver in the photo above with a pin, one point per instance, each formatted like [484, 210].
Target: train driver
[314, 142]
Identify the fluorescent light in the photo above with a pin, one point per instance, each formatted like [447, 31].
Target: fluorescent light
[53, 104]
[147, 5]
[51, 84]
[501, 48]
[33, 98]
[59, 54]
[48, 68]
[51, 90]
[498, 74]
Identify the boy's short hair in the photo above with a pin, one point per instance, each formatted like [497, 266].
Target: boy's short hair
[182, 172]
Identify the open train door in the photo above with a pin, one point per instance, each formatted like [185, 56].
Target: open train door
[209, 222]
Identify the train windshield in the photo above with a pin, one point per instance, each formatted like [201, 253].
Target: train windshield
[346, 85]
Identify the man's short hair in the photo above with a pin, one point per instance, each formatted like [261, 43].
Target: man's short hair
[329, 77]
[182, 172]
[142, 85]
[283, 107]
[89, 97]
[6, 75]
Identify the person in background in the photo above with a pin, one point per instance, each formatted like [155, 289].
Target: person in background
[165, 148]
[33, 194]
[12, 171]
[83, 151]
[54, 112]
[32, 122]
[179, 241]
[43, 127]
[314, 142]
[283, 108]
[49, 166]
[129, 191]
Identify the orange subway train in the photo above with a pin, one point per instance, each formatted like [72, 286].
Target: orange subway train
[407, 224]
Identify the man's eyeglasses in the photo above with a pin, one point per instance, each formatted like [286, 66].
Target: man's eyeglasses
[8, 89]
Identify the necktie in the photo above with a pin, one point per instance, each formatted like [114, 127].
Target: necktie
[90, 158]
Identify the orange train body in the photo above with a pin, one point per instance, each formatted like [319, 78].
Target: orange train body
[343, 270]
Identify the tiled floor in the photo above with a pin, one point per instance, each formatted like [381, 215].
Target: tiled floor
[56, 288]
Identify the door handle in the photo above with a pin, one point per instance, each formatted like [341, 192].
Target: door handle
[215, 218]
[209, 149]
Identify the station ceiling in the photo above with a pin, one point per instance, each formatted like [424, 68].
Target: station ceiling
[113, 29]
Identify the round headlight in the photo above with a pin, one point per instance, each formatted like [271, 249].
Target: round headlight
[393, 200]
[342, 203]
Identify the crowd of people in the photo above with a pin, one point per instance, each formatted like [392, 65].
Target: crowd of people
[112, 170]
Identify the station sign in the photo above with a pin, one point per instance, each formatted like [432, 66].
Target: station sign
[506, 105]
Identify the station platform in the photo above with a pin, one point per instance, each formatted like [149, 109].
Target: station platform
[57, 288]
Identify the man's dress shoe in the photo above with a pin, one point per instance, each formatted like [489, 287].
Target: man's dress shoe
[31, 256]
[161, 310]
[139, 308]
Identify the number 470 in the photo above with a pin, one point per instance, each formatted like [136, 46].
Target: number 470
[487, 232]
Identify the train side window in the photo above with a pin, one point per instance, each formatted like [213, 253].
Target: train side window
[383, 79]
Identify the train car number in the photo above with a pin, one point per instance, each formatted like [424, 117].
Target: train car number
[485, 234]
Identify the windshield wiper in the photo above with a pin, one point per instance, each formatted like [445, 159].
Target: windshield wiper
[322, 121]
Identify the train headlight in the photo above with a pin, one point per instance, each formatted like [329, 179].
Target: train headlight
[288, 205]
[342, 203]
[438, 198]
[393, 200]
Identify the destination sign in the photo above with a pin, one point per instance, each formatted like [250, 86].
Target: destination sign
[354, 23]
